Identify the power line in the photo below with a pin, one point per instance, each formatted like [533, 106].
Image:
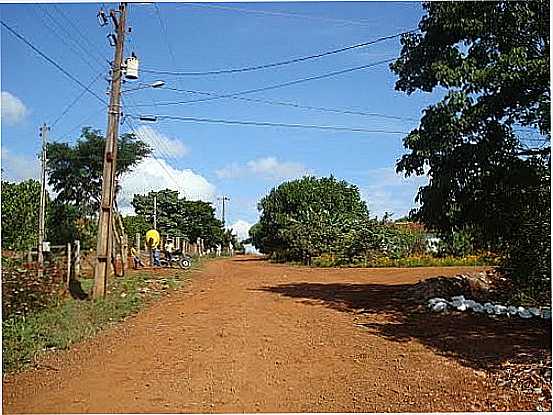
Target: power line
[281, 63]
[66, 73]
[85, 119]
[63, 38]
[284, 84]
[169, 174]
[92, 46]
[289, 104]
[271, 124]
[162, 148]
[164, 30]
[284, 14]
[77, 98]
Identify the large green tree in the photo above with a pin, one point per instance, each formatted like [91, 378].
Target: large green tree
[492, 61]
[75, 171]
[304, 218]
[180, 217]
[20, 203]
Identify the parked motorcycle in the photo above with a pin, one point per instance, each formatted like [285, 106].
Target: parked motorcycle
[177, 260]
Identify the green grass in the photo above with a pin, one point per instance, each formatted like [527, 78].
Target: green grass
[60, 326]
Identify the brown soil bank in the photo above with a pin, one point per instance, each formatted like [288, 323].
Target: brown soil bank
[246, 335]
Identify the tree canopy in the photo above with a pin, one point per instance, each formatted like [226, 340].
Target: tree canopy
[304, 218]
[180, 217]
[75, 171]
[492, 59]
[20, 203]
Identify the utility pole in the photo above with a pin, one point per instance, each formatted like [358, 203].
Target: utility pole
[224, 199]
[41, 214]
[104, 243]
[155, 212]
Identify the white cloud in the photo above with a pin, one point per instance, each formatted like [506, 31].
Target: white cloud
[13, 109]
[17, 167]
[155, 175]
[391, 192]
[160, 143]
[240, 229]
[266, 167]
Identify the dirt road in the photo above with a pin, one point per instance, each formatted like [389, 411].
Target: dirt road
[248, 336]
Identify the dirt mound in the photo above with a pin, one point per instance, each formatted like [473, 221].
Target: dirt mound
[479, 286]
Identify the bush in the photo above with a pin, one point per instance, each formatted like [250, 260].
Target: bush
[527, 256]
[483, 259]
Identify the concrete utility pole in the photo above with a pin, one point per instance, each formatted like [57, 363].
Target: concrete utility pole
[103, 246]
[224, 199]
[41, 214]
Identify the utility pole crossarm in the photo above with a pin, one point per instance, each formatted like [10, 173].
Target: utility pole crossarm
[104, 243]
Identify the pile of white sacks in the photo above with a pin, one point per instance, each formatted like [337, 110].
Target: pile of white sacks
[461, 304]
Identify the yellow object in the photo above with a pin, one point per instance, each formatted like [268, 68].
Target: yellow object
[152, 238]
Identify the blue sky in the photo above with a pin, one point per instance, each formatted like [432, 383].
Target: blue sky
[208, 160]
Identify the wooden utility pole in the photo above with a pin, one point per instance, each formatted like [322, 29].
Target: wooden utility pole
[41, 214]
[103, 246]
[69, 260]
[155, 212]
[137, 243]
[224, 199]
[77, 262]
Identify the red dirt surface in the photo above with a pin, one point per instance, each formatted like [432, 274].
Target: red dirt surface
[249, 336]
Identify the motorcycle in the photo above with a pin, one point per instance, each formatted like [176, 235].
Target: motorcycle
[177, 260]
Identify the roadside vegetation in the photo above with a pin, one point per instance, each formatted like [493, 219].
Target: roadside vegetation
[485, 148]
[61, 320]
[323, 222]
[38, 312]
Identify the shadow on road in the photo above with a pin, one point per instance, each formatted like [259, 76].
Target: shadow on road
[476, 341]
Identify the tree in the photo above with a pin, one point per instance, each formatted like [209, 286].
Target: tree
[75, 171]
[305, 218]
[136, 224]
[20, 205]
[180, 217]
[492, 58]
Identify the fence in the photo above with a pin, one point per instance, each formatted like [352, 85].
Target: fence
[62, 257]
[181, 245]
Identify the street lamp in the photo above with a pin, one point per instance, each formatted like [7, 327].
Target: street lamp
[149, 118]
[155, 84]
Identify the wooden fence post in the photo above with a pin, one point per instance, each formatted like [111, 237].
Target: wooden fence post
[125, 253]
[137, 243]
[68, 264]
[30, 256]
[77, 266]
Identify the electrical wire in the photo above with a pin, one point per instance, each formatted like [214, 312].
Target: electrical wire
[44, 56]
[92, 46]
[281, 85]
[165, 34]
[270, 124]
[284, 14]
[289, 104]
[159, 146]
[275, 64]
[169, 174]
[63, 38]
[77, 98]
[80, 123]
